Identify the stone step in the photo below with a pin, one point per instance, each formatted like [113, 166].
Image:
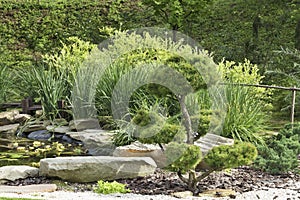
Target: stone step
[28, 188]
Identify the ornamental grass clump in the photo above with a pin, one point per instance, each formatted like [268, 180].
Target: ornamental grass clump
[5, 84]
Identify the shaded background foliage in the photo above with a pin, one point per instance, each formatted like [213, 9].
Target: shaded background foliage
[232, 29]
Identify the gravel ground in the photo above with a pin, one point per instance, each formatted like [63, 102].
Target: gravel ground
[266, 194]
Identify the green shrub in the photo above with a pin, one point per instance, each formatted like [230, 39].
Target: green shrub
[226, 156]
[280, 154]
[154, 129]
[182, 157]
[148, 127]
[110, 187]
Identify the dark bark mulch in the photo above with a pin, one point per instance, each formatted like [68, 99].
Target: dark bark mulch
[242, 179]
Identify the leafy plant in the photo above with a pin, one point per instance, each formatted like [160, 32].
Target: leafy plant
[123, 137]
[280, 154]
[47, 86]
[69, 59]
[176, 13]
[104, 187]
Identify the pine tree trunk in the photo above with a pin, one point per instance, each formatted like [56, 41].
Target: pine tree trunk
[186, 119]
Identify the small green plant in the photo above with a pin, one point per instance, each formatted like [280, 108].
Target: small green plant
[280, 153]
[104, 187]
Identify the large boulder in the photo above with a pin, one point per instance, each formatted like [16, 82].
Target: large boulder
[12, 173]
[98, 142]
[138, 149]
[94, 168]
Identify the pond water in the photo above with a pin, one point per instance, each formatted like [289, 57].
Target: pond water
[16, 150]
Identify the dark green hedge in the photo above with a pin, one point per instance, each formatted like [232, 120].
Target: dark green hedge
[29, 29]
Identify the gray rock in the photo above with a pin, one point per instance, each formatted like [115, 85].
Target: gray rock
[98, 142]
[42, 135]
[209, 141]
[58, 129]
[21, 118]
[8, 117]
[94, 168]
[36, 126]
[138, 149]
[12, 173]
[83, 124]
[11, 117]
[206, 143]
[9, 129]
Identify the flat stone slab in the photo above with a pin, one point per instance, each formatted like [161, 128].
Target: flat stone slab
[28, 188]
[138, 149]
[83, 124]
[94, 168]
[14, 172]
[11, 128]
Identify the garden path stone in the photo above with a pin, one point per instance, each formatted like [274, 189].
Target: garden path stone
[28, 188]
[98, 142]
[9, 129]
[83, 124]
[94, 168]
[12, 173]
[138, 149]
